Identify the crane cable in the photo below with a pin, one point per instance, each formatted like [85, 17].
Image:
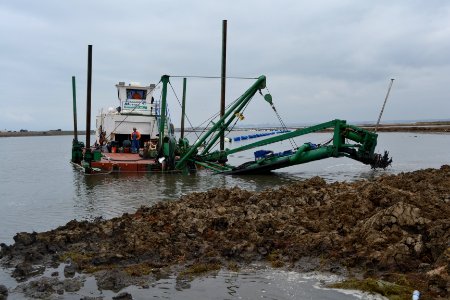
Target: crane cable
[291, 141]
[283, 125]
[212, 77]
[235, 122]
[178, 100]
[209, 120]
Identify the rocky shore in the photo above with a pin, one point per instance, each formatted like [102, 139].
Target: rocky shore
[419, 127]
[394, 228]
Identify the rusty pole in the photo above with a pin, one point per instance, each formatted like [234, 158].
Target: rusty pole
[88, 99]
[223, 78]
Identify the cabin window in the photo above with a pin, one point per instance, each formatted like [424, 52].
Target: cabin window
[136, 94]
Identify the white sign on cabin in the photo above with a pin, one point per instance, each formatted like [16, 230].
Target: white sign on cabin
[134, 105]
[136, 99]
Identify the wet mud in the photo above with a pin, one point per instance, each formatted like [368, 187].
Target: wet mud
[394, 227]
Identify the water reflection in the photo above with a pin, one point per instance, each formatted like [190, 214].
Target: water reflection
[118, 193]
[114, 194]
[257, 283]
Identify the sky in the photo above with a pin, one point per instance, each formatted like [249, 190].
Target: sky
[323, 59]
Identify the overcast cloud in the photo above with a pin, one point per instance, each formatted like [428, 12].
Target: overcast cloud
[323, 59]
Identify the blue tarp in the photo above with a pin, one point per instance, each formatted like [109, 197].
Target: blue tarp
[256, 135]
[262, 153]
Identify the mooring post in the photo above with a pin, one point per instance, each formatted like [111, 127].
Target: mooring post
[87, 152]
[74, 96]
[223, 80]
[77, 147]
[88, 99]
[183, 109]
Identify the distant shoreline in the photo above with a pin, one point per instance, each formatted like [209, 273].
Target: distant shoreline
[420, 127]
[438, 126]
[41, 133]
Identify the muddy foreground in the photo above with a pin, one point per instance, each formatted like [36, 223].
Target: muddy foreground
[395, 228]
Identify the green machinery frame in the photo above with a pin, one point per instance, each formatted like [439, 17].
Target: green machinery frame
[348, 141]
[361, 148]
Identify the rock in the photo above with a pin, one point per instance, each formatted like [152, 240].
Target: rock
[423, 267]
[4, 249]
[24, 238]
[24, 270]
[123, 296]
[114, 280]
[418, 247]
[3, 292]
[72, 285]
[182, 284]
[220, 223]
[69, 270]
[439, 285]
[40, 288]
[221, 210]
[262, 251]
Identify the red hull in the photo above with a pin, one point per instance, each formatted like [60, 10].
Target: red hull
[125, 162]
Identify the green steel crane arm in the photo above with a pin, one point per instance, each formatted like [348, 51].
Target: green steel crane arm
[362, 151]
[285, 136]
[303, 154]
[234, 110]
[342, 130]
[223, 123]
[335, 123]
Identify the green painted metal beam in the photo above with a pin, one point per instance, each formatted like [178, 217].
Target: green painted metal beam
[220, 126]
[183, 109]
[208, 166]
[307, 155]
[285, 136]
[162, 117]
[363, 151]
[303, 155]
[223, 123]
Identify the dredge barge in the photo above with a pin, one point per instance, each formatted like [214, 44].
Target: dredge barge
[158, 150]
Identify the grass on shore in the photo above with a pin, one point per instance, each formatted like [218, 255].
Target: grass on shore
[390, 290]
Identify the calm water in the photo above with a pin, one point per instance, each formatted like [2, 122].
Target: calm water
[40, 190]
